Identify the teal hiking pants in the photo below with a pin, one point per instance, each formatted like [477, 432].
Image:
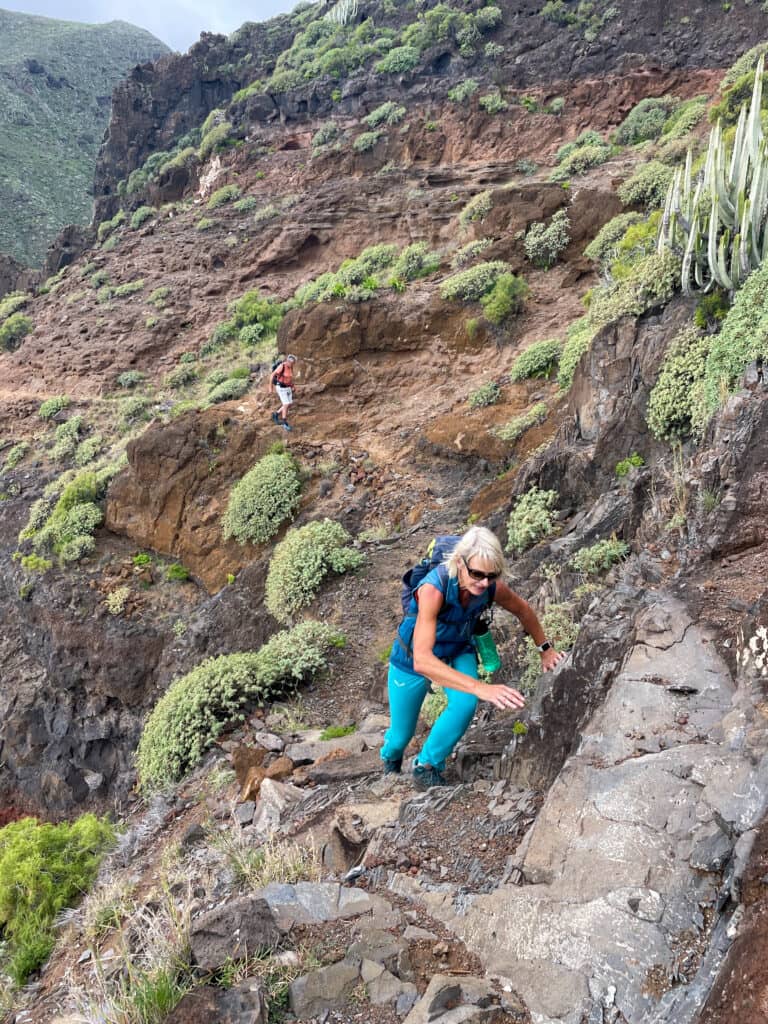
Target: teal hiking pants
[406, 695]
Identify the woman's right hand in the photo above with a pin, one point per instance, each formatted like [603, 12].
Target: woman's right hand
[500, 696]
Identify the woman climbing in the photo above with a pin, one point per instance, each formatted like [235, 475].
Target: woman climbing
[434, 643]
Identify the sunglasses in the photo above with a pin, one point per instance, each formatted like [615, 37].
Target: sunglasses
[476, 574]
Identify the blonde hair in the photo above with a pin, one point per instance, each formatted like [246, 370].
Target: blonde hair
[477, 542]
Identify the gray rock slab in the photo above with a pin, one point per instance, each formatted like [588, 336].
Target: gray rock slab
[314, 902]
[275, 798]
[269, 741]
[242, 1004]
[232, 931]
[345, 769]
[386, 989]
[380, 946]
[312, 750]
[412, 932]
[447, 992]
[328, 988]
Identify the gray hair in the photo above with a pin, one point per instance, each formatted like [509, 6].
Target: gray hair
[477, 542]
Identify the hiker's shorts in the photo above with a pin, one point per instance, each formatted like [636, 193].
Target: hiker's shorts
[284, 394]
[406, 695]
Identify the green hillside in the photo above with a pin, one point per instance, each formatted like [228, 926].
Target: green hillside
[56, 81]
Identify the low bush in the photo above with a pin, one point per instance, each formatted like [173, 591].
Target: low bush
[15, 455]
[223, 195]
[463, 91]
[398, 61]
[44, 869]
[470, 285]
[227, 390]
[205, 224]
[538, 360]
[653, 282]
[579, 337]
[141, 215]
[51, 406]
[246, 204]
[388, 113]
[599, 557]
[516, 427]
[215, 139]
[12, 302]
[544, 242]
[129, 288]
[268, 495]
[108, 226]
[505, 298]
[477, 209]
[557, 622]
[487, 394]
[66, 438]
[325, 134]
[602, 248]
[195, 709]
[177, 573]
[493, 103]
[13, 330]
[335, 732]
[366, 141]
[684, 118]
[648, 185]
[467, 253]
[589, 150]
[180, 377]
[67, 527]
[625, 466]
[675, 398]
[531, 519]
[645, 120]
[302, 561]
[415, 261]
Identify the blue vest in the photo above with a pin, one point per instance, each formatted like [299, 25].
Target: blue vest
[455, 623]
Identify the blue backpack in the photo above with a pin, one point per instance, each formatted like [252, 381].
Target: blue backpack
[437, 552]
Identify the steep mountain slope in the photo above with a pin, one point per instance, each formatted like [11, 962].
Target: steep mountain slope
[591, 861]
[56, 81]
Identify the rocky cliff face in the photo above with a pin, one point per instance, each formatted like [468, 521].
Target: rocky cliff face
[592, 865]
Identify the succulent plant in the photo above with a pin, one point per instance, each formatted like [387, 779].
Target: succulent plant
[718, 220]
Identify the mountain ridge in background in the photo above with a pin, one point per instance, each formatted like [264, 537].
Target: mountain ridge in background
[56, 82]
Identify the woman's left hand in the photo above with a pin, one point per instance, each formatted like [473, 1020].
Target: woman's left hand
[551, 658]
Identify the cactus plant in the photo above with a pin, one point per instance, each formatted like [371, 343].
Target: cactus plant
[718, 222]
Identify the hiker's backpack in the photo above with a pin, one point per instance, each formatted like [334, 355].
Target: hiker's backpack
[437, 552]
[275, 366]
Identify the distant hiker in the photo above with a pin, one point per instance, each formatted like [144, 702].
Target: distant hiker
[435, 642]
[281, 382]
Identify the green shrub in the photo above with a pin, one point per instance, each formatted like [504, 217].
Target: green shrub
[625, 466]
[531, 519]
[711, 309]
[263, 499]
[388, 113]
[13, 330]
[227, 390]
[265, 214]
[463, 91]
[602, 248]
[599, 557]
[638, 241]
[108, 226]
[177, 573]
[34, 563]
[645, 121]
[66, 437]
[493, 103]
[325, 134]
[12, 302]
[216, 139]
[494, 51]
[648, 185]
[44, 869]
[51, 406]
[556, 105]
[544, 242]
[653, 282]
[246, 204]
[129, 379]
[398, 61]
[675, 398]
[366, 141]
[302, 561]
[505, 298]
[141, 215]
[487, 394]
[180, 377]
[470, 285]
[67, 529]
[477, 209]
[223, 195]
[129, 288]
[205, 224]
[15, 455]
[253, 309]
[538, 360]
[467, 253]
[434, 705]
[415, 261]
[684, 118]
[516, 427]
[195, 709]
[579, 337]
[573, 158]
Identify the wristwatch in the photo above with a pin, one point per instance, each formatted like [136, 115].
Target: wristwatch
[546, 646]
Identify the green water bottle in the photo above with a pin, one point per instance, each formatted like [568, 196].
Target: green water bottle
[486, 648]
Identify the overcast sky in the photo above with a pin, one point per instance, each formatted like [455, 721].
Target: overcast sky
[176, 22]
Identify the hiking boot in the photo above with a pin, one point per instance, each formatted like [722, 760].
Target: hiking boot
[393, 765]
[275, 417]
[425, 776]
[286, 426]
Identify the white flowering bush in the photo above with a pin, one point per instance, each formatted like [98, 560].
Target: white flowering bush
[194, 710]
[302, 561]
[266, 496]
[544, 242]
[599, 557]
[538, 360]
[532, 518]
[470, 285]
[673, 402]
